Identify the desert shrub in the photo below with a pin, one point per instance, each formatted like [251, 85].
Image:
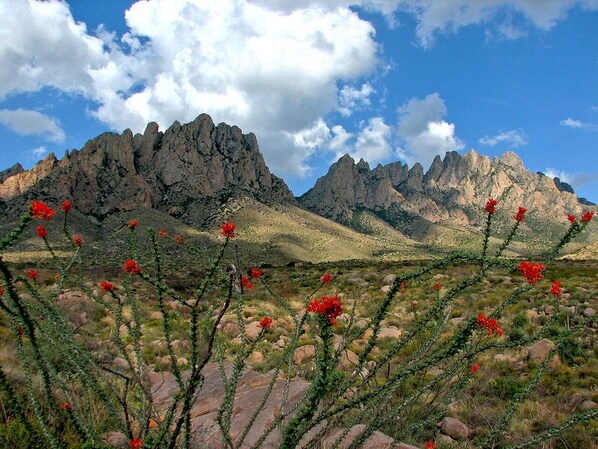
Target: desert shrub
[63, 393]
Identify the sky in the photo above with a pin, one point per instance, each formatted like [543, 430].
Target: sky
[382, 80]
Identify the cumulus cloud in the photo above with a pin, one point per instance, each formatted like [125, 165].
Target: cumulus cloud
[423, 131]
[578, 124]
[576, 180]
[38, 153]
[351, 98]
[434, 17]
[27, 122]
[513, 138]
[271, 70]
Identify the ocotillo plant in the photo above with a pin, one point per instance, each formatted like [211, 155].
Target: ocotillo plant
[59, 385]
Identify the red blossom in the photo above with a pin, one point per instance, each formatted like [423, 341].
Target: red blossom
[66, 406]
[266, 322]
[41, 232]
[2, 291]
[490, 324]
[78, 241]
[587, 217]
[180, 240]
[326, 278]
[162, 233]
[403, 287]
[106, 286]
[414, 304]
[556, 289]
[474, 368]
[327, 307]
[67, 206]
[133, 224]
[520, 216]
[136, 443]
[40, 210]
[437, 286]
[228, 230]
[532, 271]
[132, 267]
[246, 283]
[21, 331]
[572, 218]
[491, 206]
[430, 445]
[255, 273]
[32, 274]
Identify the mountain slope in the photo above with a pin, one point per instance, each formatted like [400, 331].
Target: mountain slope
[452, 193]
[187, 172]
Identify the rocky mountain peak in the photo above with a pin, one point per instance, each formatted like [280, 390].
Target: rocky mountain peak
[187, 171]
[453, 190]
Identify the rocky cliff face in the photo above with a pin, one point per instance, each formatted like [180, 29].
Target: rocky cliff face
[186, 171]
[454, 190]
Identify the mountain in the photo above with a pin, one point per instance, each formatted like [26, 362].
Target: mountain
[193, 177]
[188, 171]
[452, 193]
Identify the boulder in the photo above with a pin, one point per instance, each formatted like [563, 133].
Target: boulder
[454, 428]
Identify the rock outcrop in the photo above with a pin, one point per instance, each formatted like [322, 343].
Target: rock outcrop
[186, 171]
[453, 190]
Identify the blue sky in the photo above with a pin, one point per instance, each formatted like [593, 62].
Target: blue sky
[384, 80]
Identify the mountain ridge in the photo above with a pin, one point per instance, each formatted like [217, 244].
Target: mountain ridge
[198, 173]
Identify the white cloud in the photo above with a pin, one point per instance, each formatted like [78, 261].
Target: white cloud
[270, 70]
[351, 98]
[578, 124]
[576, 180]
[38, 153]
[513, 138]
[373, 141]
[423, 131]
[434, 16]
[27, 122]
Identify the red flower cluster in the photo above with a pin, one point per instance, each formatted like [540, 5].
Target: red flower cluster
[491, 206]
[430, 445]
[67, 206]
[2, 291]
[78, 241]
[246, 283]
[180, 240]
[520, 216]
[66, 406]
[403, 287]
[556, 289]
[132, 267]
[490, 324]
[326, 278]
[41, 232]
[437, 286]
[228, 230]
[162, 233]
[327, 307]
[133, 224]
[474, 368]
[32, 274]
[136, 443]
[255, 273]
[266, 323]
[587, 217]
[21, 331]
[40, 210]
[532, 271]
[572, 218]
[106, 286]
